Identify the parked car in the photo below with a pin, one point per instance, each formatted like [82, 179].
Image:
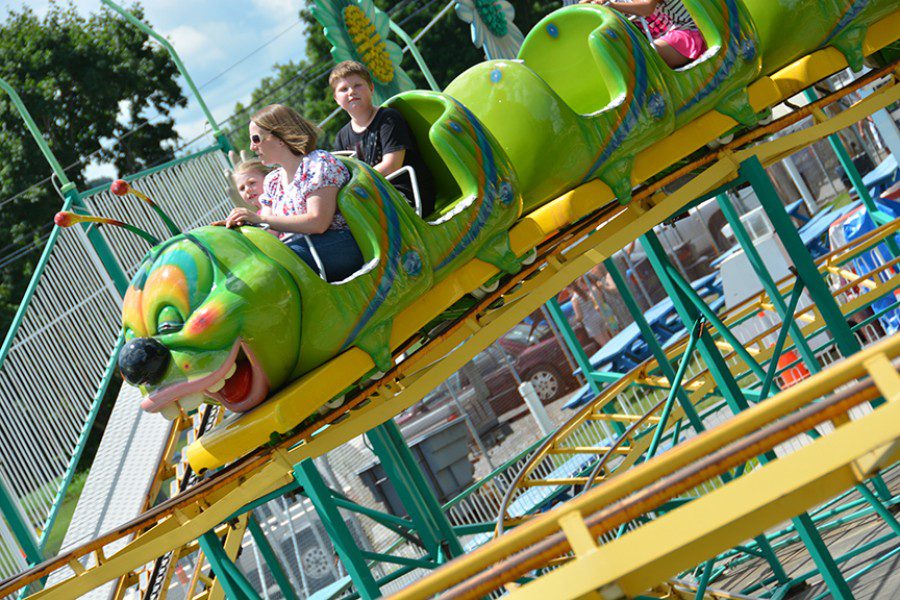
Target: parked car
[530, 350]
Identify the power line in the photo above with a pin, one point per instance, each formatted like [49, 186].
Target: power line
[23, 252]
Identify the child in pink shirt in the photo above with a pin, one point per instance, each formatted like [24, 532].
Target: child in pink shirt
[675, 35]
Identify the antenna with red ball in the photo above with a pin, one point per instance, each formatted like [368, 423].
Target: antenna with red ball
[120, 187]
[67, 219]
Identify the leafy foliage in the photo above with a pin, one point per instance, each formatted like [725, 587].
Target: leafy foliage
[85, 80]
[447, 49]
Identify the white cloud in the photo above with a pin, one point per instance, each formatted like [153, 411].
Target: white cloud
[194, 46]
[279, 11]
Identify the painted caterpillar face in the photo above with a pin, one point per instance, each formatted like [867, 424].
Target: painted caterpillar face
[209, 318]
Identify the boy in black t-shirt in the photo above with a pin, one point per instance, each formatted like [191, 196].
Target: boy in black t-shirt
[380, 136]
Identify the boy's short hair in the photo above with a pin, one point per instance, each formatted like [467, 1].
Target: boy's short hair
[347, 68]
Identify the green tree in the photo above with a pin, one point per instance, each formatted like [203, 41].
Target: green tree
[92, 85]
[447, 49]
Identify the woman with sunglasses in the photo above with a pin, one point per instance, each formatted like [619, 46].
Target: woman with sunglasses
[300, 197]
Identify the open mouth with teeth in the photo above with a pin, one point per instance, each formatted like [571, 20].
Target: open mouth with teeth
[238, 384]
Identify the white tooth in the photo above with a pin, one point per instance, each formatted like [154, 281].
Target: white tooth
[171, 411]
[216, 386]
[231, 371]
[189, 403]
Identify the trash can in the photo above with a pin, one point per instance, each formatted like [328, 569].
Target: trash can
[443, 457]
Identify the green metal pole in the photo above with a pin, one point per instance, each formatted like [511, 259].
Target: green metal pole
[38, 138]
[82, 439]
[224, 144]
[787, 317]
[403, 471]
[271, 560]
[227, 573]
[697, 302]
[656, 349]
[704, 579]
[18, 524]
[347, 547]
[779, 343]
[676, 385]
[571, 340]
[730, 390]
[826, 564]
[847, 163]
[416, 55]
[754, 173]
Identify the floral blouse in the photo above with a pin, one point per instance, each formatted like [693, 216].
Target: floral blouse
[319, 169]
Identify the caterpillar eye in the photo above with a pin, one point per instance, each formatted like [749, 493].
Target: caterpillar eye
[169, 321]
[169, 327]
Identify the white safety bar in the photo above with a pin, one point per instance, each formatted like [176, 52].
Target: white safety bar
[415, 185]
[316, 258]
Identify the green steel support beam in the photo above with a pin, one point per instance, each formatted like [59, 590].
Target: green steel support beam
[730, 390]
[708, 567]
[676, 385]
[787, 316]
[423, 66]
[400, 560]
[18, 524]
[385, 519]
[286, 489]
[571, 340]
[581, 358]
[656, 349]
[847, 164]
[779, 343]
[224, 144]
[347, 547]
[826, 563]
[669, 372]
[754, 173]
[271, 560]
[228, 574]
[699, 305]
[430, 522]
[879, 508]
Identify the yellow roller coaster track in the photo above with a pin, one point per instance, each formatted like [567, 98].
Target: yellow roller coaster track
[566, 249]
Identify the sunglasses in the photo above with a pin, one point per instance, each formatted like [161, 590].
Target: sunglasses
[255, 139]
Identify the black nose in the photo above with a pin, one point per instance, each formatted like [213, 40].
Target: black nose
[143, 360]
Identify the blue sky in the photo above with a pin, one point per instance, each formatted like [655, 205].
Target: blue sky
[211, 36]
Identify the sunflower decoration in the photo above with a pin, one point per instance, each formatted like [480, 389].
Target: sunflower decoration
[492, 26]
[359, 31]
